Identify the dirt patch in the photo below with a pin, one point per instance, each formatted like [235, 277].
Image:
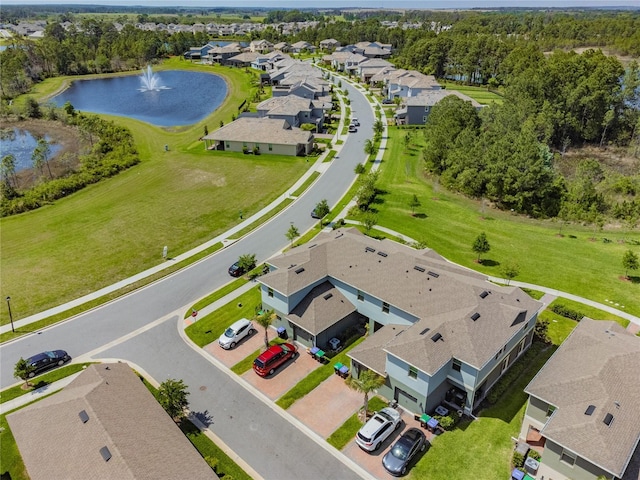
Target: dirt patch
[616, 159]
[65, 136]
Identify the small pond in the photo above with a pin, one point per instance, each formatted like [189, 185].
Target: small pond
[167, 98]
[21, 144]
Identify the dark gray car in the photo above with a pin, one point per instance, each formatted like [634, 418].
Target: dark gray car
[397, 460]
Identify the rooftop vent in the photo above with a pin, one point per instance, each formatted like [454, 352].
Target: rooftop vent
[608, 419]
[300, 270]
[433, 274]
[419, 268]
[425, 331]
[382, 254]
[369, 249]
[436, 337]
[475, 316]
[590, 409]
[83, 416]
[314, 245]
[484, 294]
[106, 454]
[328, 296]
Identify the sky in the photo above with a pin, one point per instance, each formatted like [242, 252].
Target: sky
[390, 4]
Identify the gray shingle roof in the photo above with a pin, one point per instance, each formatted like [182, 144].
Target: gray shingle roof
[261, 130]
[444, 304]
[285, 105]
[122, 416]
[431, 97]
[321, 308]
[598, 364]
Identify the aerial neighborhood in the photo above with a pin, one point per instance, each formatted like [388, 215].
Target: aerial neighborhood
[384, 243]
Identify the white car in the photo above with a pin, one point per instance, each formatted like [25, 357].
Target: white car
[355, 122]
[235, 333]
[378, 428]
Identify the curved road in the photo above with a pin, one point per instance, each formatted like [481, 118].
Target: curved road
[143, 327]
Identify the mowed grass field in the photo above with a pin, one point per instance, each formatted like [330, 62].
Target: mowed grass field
[117, 228]
[577, 262]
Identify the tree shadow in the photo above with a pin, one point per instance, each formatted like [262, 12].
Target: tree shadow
[419, 215]
[487, 262]
[204, 417]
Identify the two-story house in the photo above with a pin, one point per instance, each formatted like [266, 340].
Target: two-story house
[437, 331]
[416, 110]
[583, 412]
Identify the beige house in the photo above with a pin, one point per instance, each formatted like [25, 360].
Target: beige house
[104, 425]
[270, 136]
[583, 412]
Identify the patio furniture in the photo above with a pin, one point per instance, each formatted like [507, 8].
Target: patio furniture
[440, 410]
[337, 367]
[344, 371]
[313, 350]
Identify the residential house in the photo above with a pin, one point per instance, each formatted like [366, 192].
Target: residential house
[368, 68]
[244, 59]
[584, 406]
[260, 46]
[266, 62]
[282, 46]
[416, 110]
[438, 332]
[302, 46]
[344, 60]
[104, 424]
[409, 83]
[296, 110]
[222, 54]
[373, 49]
[270, 135]
[329, 44]
[303, 86]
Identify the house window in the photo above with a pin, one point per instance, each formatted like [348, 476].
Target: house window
[244, 144]
[270, 292]
[568, 457]
[385, 307]
[270, 147]
[413, 372]
[550, 410]
[505, 364]
[521, 347]
[360, 296]
[457, 365]
[226, 144]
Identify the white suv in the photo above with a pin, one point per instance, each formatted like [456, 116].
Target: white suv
[235, 333]
[378, 428]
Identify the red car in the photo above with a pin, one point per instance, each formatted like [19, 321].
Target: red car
[273, 357]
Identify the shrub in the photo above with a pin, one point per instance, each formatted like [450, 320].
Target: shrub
[517, 459]
[566, 312]
[256, 150]
[359, 169]
[448, 421]
[245, 150]
[514, 372]
[533, 454]
[339, 223]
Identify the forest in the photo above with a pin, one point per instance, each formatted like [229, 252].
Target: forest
[556, 100]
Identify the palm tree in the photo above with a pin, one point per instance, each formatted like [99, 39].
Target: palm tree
[265, 320]
[367, 382]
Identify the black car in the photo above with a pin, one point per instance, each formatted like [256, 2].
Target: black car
[46, 360]
[236, 270]
[397, 460]
[314, 214]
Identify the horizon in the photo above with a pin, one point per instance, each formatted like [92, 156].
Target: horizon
[345, 4]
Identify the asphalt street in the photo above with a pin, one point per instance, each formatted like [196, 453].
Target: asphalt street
[142, 327]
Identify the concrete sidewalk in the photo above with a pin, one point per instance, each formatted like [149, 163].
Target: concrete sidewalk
[37, 394]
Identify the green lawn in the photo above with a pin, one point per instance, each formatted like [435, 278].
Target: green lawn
[345, 433]
[10, 458]
[209, 328]
[117, 228]
[449, 223]
[479, 94]
[481, 448]
[217, 295]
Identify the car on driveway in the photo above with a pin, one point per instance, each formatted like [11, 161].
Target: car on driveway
[397, 460]
[378, 428]
[352, 128]
[273, 357]
[236, 332]
[46, 360]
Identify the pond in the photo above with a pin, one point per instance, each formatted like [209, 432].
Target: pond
[21, 144]
[167, 98]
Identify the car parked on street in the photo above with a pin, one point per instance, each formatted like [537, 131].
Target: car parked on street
[378, 428]
[47, 360]
[236, 270]
[352, 128]
[236, 332]
[273, 357]
[355, 122]
[397, 460]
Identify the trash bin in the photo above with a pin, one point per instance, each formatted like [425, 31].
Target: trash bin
[282, 332]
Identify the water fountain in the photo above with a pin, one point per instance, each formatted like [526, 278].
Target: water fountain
[150, 81]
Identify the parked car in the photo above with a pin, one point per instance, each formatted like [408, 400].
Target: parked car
[236, 332]
[396, 461]
[236, 270]
[352, 128]
[314, 214]
[355, 122]
[387, 101]
[273, 357]
[46, 360]
[378, 428]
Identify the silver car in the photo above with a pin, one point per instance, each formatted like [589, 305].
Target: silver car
[235, 333]
[378, 428]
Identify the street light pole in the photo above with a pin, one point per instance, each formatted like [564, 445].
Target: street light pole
[10, 316]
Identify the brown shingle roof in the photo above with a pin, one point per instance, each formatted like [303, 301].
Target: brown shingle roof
[599, 365]
[260, 130]
[444, 303]
[321, 308]
[122, 415]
